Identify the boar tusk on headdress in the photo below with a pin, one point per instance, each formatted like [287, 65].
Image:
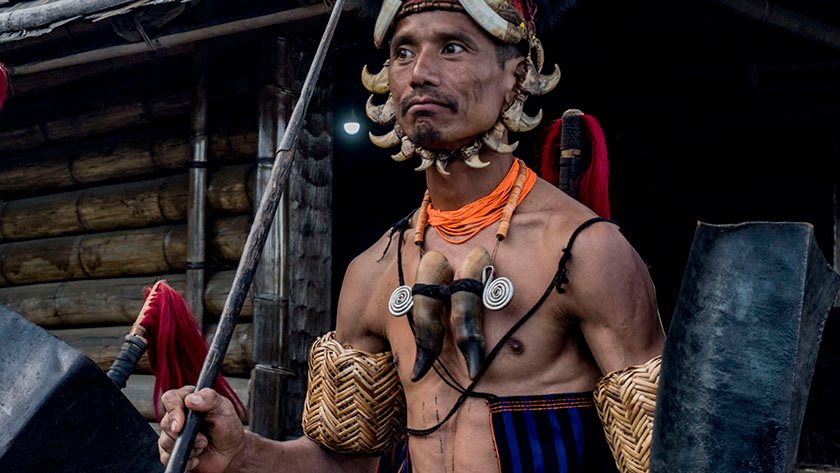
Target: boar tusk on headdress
[381, 114]
[516, 120]
[387, 140]
[376, 83]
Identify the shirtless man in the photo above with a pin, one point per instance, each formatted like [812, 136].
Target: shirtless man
[450, 80]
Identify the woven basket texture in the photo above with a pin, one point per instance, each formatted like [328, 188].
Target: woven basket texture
[626, 401]
[355, 401]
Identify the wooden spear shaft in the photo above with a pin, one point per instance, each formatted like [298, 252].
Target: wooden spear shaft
[253, 247]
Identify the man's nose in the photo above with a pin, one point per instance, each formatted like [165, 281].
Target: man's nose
[426, 69]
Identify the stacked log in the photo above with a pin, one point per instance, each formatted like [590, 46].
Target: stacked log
[102, 344]
[131, 205]
[106, 301]
[100, 119]
[151, 250]
[109, 159]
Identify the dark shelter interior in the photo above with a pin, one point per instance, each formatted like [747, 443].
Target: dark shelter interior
[711, 115]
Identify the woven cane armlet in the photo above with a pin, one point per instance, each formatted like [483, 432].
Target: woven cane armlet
[354, 400]
[626, 401]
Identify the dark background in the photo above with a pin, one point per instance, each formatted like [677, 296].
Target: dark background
[710, 116]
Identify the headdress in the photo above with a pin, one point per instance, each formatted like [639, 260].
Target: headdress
[508, 21]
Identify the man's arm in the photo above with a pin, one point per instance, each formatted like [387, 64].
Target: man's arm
[225, 446]
[614, 299]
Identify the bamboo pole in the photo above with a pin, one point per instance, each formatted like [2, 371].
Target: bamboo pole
[172, 40]
[789, 20]
[197, 209]
[253, 246]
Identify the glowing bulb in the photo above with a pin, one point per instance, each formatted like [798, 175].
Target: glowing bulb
[351, 128]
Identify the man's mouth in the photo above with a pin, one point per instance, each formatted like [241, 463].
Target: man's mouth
[427, 104]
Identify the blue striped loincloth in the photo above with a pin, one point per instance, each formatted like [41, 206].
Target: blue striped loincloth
[557, 433]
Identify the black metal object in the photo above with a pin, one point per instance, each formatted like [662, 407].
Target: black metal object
[571, 163]
[741, 349]
[132, 350]
[60, 413]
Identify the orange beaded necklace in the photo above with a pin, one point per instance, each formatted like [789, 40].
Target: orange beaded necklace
[460, 225]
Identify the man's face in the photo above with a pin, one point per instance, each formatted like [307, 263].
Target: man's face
[445, 78]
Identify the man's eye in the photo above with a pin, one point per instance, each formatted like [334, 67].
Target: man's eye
[453, 48]
[403, 53]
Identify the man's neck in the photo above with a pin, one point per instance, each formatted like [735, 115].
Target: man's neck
[464, 184]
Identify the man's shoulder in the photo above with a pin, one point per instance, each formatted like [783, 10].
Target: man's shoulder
[364, 295]
[559, 215]
[376, 258]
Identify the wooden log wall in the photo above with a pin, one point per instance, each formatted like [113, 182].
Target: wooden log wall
[94, 197]
[108, 159]
[106, 301]
[120, 206]
[150, 250]
[101, 344]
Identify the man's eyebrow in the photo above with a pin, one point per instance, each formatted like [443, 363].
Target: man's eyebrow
[401, 39]
[443, 37]
[457, 36]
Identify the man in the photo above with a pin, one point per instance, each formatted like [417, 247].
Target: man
[451, 77]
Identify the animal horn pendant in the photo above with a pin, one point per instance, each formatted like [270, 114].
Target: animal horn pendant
[493, 140]
[440, 165]
[429, 329]
[381, 114]
[515, 118]
[387, 140]
[407, 150]
[428, 159]
[376, 83]
[467, 314]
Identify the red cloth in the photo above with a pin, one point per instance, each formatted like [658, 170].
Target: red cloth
[593, 184]
[177, 348]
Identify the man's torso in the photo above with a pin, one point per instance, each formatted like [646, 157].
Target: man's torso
[547, 355]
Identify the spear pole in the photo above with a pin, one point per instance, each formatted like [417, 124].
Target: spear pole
[253, 247]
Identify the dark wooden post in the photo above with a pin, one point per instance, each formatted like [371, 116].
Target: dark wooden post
[196, 216]
[271, 299]
[836, 133]
[310, 237]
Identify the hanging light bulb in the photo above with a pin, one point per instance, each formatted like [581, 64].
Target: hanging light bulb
[352, 125]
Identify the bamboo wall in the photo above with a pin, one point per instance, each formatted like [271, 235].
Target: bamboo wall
[94, 201]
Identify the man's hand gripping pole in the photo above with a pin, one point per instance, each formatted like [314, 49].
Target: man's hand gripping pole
[253, 247]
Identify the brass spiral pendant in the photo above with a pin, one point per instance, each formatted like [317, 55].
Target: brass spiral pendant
[498, 292]
[400, 302]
